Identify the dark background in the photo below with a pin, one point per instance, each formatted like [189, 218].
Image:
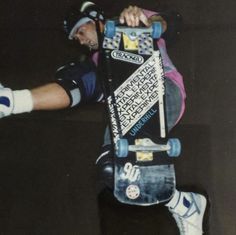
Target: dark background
[47, 171]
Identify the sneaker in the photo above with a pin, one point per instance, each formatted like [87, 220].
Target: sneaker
[188, 213]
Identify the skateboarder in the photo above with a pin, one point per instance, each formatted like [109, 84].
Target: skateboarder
[76, 83]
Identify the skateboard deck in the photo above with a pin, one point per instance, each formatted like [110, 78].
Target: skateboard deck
[134, 84]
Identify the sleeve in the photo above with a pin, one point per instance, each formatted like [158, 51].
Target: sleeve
[149, 13]
[174, 22]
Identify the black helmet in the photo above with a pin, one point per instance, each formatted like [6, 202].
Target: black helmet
[78, 16]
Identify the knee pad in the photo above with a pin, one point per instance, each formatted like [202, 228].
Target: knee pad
[80, 82]
[66, 78]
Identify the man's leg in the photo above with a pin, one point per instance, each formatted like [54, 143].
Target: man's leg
[187, 208]
[105, 168]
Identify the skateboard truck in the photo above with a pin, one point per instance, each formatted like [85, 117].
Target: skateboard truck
[110, 30]
[146, 147]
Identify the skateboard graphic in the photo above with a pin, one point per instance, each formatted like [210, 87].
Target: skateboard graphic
[133, 79]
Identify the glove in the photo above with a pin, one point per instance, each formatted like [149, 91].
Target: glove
[6, 101]
[14, 102]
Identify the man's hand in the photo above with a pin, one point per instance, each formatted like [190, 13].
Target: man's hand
[14, 102]
[132, 16]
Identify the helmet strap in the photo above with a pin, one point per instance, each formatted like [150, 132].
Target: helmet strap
[99, 29]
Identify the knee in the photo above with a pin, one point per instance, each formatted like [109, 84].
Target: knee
[105, 170]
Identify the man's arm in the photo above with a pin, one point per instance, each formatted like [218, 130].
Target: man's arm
[48, 97]
[74, 83]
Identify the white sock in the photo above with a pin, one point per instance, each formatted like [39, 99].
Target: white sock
[181, 203]
[174, 200]
[23, 101]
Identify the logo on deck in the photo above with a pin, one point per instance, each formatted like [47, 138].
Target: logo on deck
[132, 191]
[137, 95]
[131, 172]
[127, 57]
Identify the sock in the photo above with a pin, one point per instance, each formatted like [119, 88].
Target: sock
[174, 200]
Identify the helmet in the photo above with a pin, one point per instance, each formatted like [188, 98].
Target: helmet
[78, 16]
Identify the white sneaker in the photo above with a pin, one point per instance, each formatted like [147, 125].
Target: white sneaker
[188, 213]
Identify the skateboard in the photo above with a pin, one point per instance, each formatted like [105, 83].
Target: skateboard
[133, 80]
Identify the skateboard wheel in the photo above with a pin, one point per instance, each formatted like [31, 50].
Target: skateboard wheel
[110, 29]
[156, 30]
[122, 148]
[175, 147]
